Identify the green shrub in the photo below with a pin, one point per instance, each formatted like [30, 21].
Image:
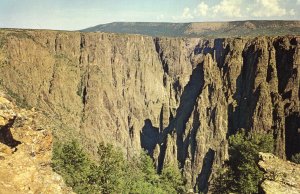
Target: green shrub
[74, 165]
[172, 180]
[112, 173]
[110, 169]
[242, 174]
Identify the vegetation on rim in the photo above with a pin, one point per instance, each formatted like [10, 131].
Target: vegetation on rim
[112, 173]
[241, 173]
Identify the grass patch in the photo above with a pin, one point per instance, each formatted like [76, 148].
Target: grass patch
[21, 35]
[18, 100]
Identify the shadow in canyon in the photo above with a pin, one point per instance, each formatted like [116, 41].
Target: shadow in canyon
[149, 137]
[206, 171]
[240, 114]
[292, 135]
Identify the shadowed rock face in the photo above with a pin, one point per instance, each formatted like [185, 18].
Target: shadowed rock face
[179, 98]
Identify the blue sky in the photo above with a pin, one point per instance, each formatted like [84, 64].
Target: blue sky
[79, 14]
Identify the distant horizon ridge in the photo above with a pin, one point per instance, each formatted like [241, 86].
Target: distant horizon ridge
[202, 29]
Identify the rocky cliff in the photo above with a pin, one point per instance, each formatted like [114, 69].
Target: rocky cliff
[25, 153]
[178, 98]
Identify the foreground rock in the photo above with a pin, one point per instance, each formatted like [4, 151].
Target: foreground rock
[280, 176]
[25, 153]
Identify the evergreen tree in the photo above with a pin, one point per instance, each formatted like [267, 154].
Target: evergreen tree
[242, 174]
[74, 165]
[172, 180]
[112, 173]
[109, 171]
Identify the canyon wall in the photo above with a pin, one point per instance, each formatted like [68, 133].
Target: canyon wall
[178, 98]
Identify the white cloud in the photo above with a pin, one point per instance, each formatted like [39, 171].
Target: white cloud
[292, 12]
[268, 8]
[240, 9]
[202, 9]
[186, 14]
[160, 17]
[228, 8]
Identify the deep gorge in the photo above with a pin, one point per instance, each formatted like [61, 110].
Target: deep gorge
[178, 98]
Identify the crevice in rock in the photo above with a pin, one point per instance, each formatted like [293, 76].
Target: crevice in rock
[161, 118]
[186, 106]
[196, 125]
[160, 54]
[220, 52]
[206, 170]
[269, 73]
[82, 41]
[292, 134]
[82, 45]
[239, 117]
[58, 46]
[51, 83]
[84, 95]
[284, 65]
[270, 70]
[161, 156]
[149, 137]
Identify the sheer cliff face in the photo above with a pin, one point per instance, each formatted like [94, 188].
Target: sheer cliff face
[177, 98]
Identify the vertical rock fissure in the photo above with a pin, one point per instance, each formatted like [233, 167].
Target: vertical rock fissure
[292, 136]
[186, 106]
[160, 54]
[196, 125]
[206, 171]
[244, 95]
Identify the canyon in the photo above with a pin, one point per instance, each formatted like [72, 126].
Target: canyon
[178, 98]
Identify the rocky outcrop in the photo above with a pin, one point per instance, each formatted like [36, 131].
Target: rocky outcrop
[279, 176]
[178, 98]
[25, 153]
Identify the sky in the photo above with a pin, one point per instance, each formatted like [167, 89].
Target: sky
[80, 14]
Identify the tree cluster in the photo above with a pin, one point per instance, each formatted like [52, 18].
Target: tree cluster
[112, 173]
[241, 173]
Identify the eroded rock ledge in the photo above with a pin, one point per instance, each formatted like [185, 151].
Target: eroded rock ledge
[280, 176]
[25, 153]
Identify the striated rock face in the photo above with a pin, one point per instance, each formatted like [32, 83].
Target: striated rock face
[178, 98]
[25, 153]
[280, 176]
